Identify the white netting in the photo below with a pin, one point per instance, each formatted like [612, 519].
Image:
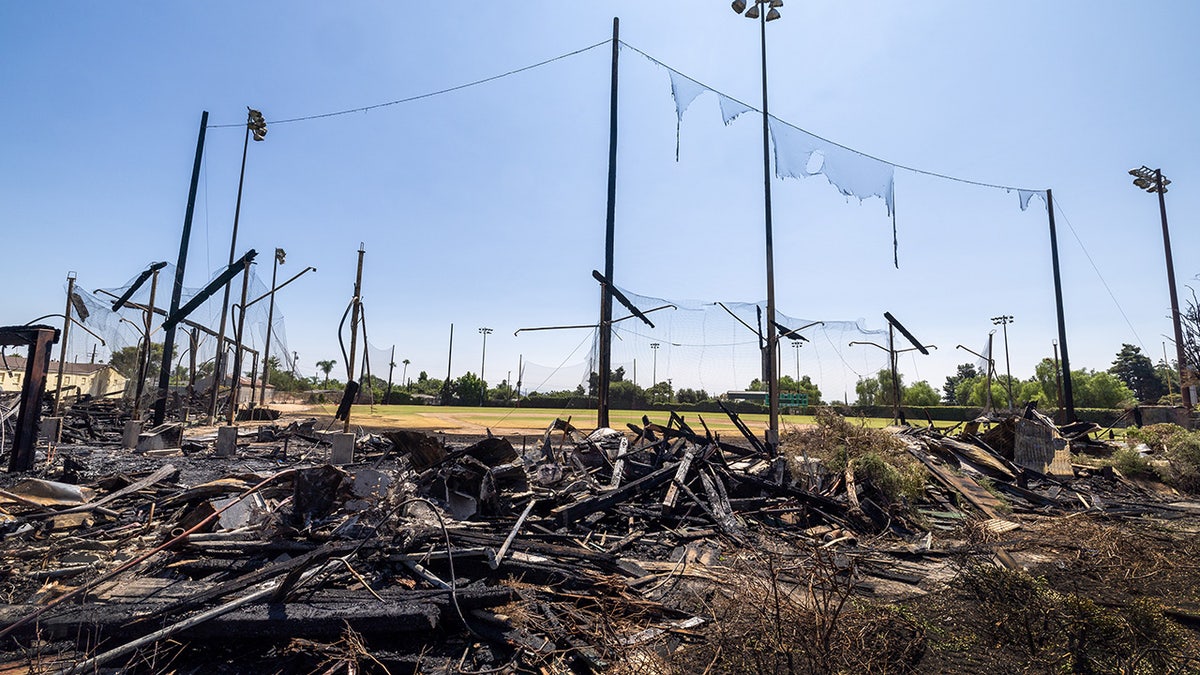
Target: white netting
[123, 329]
[714, 346]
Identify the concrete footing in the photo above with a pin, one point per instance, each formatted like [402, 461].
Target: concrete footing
[227, 441]
[129, 435]
[343, 449]
[163, 437]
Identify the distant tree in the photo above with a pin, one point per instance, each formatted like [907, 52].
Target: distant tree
[965, 371]
[867, 389]
[1031, 390]
[660, 393]
[878, 390]
[805, 386]
[327, 368]
[756, 385]
[125, 360]
[1136, 370]
[921, 394]
[617, 375]
[1099, 390]
[503, 392]
[626, 395]
[468, 389]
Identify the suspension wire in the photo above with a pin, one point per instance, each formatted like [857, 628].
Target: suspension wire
[1058, 207]
[419, 97]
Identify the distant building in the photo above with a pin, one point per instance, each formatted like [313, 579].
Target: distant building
[94, 379]
[752, 396]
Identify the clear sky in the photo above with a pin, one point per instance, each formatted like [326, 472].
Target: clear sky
[486, 206]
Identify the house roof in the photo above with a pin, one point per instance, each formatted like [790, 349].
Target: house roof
[17, 364]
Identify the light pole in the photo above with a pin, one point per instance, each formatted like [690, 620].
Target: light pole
[1004, 320]
[1151, 180]
[482, 361]
[772, 13]
[256, 126]
[893, 366]
[654, 370]
[796, 346]
[280, 256]
[991, 366]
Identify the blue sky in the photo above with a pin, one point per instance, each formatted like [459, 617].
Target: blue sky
[486, 206]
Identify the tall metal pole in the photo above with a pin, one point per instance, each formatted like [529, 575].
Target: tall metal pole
[1180, 353]
[482, 363]
[772, 337]
[892, 365]
[391, 367]
[449, 362]
[1004, 320]
[605, 342]
[144, 366]
[1167, 365]
[796, 346]
[219, 364]
[354, 314]
[66, 331]
[235, 381]
[990, 367]
[654, 369]
[266, 371]
[164, 375]
[1068, 392]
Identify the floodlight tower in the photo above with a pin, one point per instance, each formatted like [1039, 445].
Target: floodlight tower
[256, 127]
[1004, 320]
[654, 370]
[772, 13]
[483, 361]
[1151, 180]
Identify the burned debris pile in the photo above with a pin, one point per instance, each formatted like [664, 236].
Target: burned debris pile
[653, 549]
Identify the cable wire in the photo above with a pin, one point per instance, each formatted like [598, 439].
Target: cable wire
[418, 97]
[1058, 207]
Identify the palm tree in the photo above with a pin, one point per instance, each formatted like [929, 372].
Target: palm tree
[326, 367]
[404, 375]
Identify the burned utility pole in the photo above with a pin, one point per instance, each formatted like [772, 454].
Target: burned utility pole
[605, 328]
[164, 375]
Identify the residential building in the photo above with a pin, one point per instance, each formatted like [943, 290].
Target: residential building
[94, 379]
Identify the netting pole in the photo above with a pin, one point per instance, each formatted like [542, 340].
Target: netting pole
[1068, 391]
[772, 336]
[605, 343]
[164, 375]
[62, 353]
[354, 327]
[147, 343]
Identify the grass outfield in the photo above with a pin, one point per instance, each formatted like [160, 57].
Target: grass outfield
[474, 419]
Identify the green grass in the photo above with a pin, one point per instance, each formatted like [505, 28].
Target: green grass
[471, 419]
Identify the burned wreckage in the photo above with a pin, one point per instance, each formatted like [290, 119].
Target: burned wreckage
[617, 550]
